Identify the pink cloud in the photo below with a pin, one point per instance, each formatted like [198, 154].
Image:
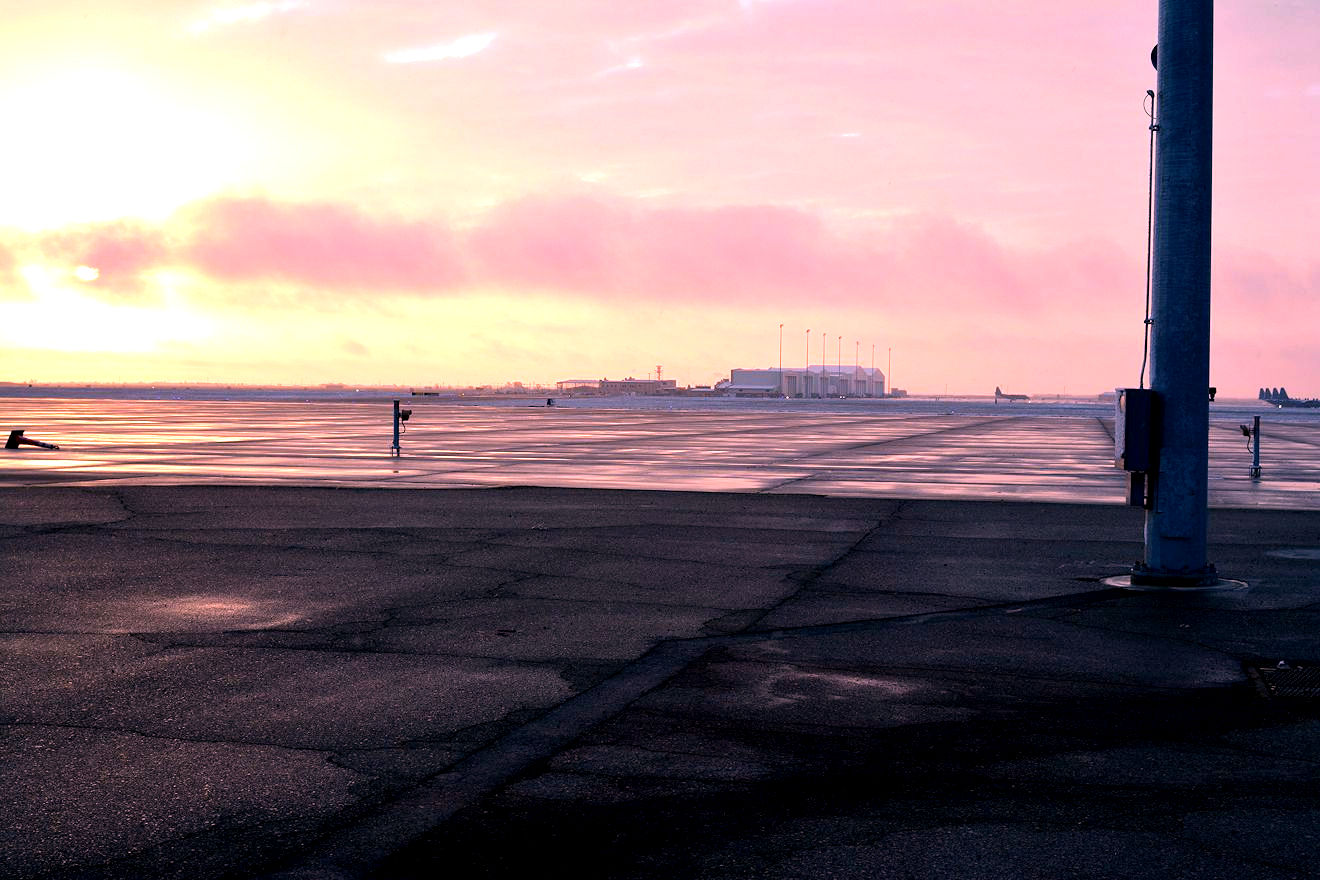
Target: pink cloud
[747, 252]
[617, 249]
[574, 243]
[7, 264]
[605, 249]
[921, 268]
[1261, 297]
[120, 251]
[325, 245]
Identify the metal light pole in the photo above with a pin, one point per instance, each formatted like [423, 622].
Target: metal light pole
[1176, 521]
[889, 373]
[839, 369]
[873, 370]
[781, 360]
[806, 368]
[824, 386]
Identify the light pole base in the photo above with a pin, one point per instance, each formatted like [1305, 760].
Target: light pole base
[1148, 577]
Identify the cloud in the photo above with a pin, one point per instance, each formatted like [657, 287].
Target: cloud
[119, 251]
[616, 249]
[949, 287]
[8, 264]
[602, 249]
[633, 63]
[252, 12]
[1256, 293]
[463, 47]
[323, 245]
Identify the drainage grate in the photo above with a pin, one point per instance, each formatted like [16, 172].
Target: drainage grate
[1290, 682]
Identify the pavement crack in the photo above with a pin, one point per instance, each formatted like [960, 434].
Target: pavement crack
[162, 737]
[835, 589]
[930, 616]
[906, 438]
[1071, 620]
[809, 577]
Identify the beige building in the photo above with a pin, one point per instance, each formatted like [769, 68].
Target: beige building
[618, 386]
[814, 381]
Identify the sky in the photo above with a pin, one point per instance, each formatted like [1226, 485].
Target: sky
[407, 192]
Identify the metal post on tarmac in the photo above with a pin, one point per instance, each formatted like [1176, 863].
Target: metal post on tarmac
[1255, 447]
[400, 416]
[1253, 443]
[1177, 507]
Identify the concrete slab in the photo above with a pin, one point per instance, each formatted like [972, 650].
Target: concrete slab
[878, 448]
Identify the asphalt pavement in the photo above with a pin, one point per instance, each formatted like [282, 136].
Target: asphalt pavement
[241, 681]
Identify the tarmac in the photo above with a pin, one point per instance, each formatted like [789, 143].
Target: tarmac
[326, 683]
[891, 448]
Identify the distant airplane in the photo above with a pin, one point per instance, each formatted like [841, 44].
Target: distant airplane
[999, 395]
[1279, 397]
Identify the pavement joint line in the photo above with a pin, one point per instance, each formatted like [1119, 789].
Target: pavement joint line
[607, 555]
[804, 579]
[793, 429]
[356, 848]
[920, 435]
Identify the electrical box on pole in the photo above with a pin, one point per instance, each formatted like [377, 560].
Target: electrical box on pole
[1136, 439]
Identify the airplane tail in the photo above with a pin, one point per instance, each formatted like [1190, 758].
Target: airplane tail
[998, 393]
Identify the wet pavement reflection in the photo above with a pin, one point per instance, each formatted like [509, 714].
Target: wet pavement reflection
[884, 449]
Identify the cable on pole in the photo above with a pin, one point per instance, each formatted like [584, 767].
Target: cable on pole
[1149, 106]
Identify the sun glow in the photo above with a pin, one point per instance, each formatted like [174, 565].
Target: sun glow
[59, 318]
[91, 144]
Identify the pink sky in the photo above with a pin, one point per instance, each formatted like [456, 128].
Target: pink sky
[413, 192]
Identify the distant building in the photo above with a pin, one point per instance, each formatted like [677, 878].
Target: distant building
[638, 386]
[814, 381]
[617, 386]
[574, 387]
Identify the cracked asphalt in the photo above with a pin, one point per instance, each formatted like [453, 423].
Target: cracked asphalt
[315, 684]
